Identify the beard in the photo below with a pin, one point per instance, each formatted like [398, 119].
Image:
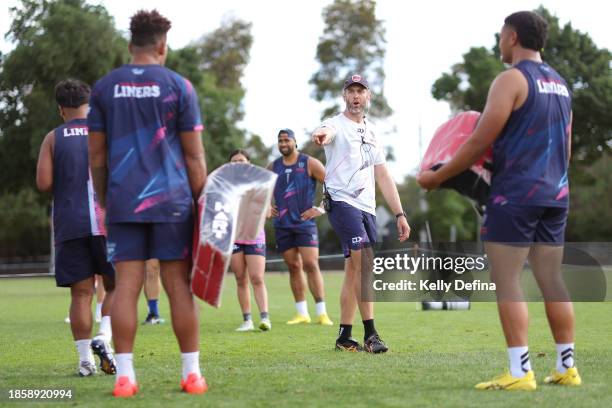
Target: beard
[287, 151]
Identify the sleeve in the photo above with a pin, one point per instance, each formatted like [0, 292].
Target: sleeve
[96, 119]
[379, 157]
[329, 123]
[190, 118]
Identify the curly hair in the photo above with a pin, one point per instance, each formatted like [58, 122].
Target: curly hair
[72, 93]
[530, 27]
[148, 27]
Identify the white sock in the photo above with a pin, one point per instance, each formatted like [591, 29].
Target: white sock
[302, 307]
[321, 309]
[519, 361]
[191, 363]
[105, 327]
[98, 311]
[125, 366]
[84, 349]
[565, 356]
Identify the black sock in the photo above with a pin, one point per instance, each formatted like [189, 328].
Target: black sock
[345, 331]
[368, 327]
[246, 317]
[263, 315]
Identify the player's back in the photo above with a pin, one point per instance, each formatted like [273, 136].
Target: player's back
[142, 109]
[75, 211]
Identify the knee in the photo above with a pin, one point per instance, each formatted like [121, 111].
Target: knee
[311, 267]
[257, 280]
[82, 294]
[242, 280]
[294, 266]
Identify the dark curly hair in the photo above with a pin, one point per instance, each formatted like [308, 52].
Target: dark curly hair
[530, 27]
[72, 93]
[148, 27]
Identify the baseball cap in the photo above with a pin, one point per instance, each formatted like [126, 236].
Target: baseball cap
[356, 79]
[288, 131]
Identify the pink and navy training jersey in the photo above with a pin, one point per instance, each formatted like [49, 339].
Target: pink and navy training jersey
[76, 213]
[142, 109]
[530, 157]
[293, 193]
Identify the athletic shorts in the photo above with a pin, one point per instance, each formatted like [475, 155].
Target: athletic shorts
[250, 249]
[137, 241]
[522, 224]
[81, 258]
[287, 238]
[355, 228]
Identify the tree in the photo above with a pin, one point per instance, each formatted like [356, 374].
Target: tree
[215, 64]
[45, 54]
[353, 41]
[575, 56]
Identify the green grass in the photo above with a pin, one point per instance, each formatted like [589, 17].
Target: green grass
[435, 358]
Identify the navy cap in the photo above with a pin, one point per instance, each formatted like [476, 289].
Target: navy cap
[356, 79]
[288, 131]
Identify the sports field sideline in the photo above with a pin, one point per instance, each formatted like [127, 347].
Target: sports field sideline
[435, 358]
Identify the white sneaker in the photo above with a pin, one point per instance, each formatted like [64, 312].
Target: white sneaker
[87, 368]
[247, 325]
[67, 320]
[265, 324]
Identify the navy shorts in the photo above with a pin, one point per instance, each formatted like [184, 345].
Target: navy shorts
[81, 258]
[287, 238]
[355, 228]
[250, 249]
[136, 241]
[520, 224]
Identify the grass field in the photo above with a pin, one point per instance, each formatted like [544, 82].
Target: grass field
[435, 358]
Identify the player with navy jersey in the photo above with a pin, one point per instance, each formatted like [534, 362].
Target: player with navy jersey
[527, 119]
[78, 224]
[148, 167]
[297, 236]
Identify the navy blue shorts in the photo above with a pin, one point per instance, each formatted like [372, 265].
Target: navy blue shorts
[355, 228]
[137, 241]
[81, 258]
[287, 238]
[250, 249]
[520, 224]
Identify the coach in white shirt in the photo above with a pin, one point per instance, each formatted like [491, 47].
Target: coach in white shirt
[355, 161]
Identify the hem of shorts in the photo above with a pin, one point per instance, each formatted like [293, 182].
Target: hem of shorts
[523, 244]
[531, 204]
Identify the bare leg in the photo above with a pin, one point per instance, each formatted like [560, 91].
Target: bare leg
[152, 286]
[506, 266]
[348, 301]
[129, 277]
[239, 267]
[310, 258]
[80, 308]
[296, 275]
[184, 312]
[256, 266]
[100, 289]
[546, 263]
[109, 288]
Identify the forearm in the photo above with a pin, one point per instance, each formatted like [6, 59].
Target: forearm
[467, 155]
[196, 172]
[389, 191]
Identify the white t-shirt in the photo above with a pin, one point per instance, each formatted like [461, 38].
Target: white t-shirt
[350, 161]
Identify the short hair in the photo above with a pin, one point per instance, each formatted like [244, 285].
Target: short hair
[239, 151]
[72, 93]
[148, 28]
[530, 27]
